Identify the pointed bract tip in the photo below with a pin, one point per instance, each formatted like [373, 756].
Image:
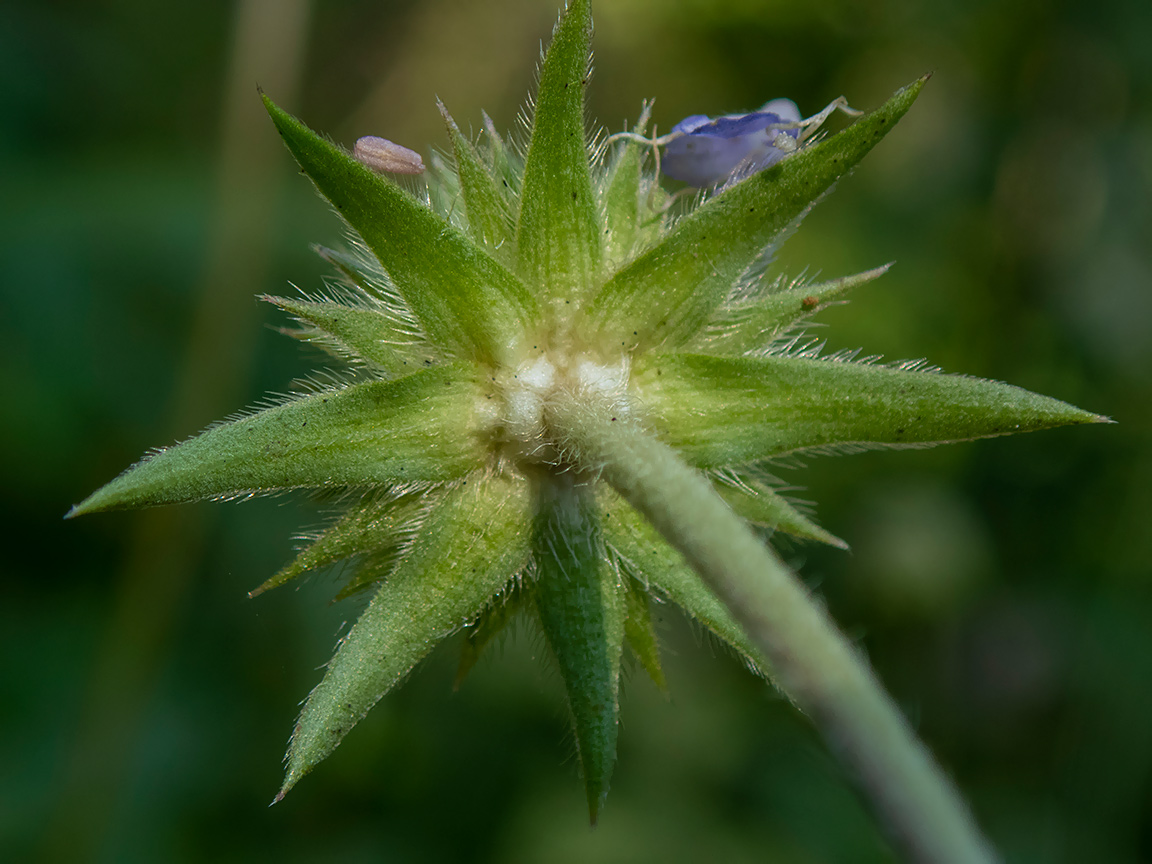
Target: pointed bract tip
[453, 129]
[913, 89]
[597, 794]
[1074, 416]
[91, 504]
[593, 812]
[289, 782]
[820, 535]
[489, 126]
[284, 303]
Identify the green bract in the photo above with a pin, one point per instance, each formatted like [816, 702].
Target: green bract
[528, 299]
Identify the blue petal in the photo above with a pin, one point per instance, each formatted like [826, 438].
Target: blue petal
[691, 124]
[735, 126]
[708, 151]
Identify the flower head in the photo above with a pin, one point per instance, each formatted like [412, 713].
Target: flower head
[541, 356]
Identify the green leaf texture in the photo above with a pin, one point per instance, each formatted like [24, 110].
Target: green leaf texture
[363, 333]
[757, 502]
[380, 522]
[649, 558]
[752, 326]
[581, 602]
[558, 237]
[488, 215]
[624, 187]
[464, 299]
[640, 633]
[416, 428]
[467, 552]
[506, 166]
[722, 411]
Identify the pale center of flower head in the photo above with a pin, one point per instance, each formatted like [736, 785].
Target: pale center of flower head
[518, 421]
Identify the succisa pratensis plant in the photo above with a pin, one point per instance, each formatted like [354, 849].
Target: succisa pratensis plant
[565, 403]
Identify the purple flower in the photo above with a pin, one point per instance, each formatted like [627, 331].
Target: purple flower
[701, 151]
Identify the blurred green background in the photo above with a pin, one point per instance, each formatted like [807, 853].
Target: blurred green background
[1001, 588]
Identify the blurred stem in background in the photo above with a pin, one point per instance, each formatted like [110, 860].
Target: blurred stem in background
[268, 46]
[401, 91]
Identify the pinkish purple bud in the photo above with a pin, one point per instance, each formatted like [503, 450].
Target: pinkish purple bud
[380, 154]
